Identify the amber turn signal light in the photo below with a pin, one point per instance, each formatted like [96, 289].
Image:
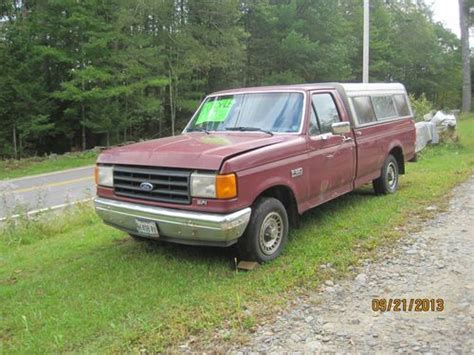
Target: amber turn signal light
[96, 175]
[226, 186]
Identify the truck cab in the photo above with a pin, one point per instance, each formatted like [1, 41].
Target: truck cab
[251, 160]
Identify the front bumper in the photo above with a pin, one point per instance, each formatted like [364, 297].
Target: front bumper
[196, 228]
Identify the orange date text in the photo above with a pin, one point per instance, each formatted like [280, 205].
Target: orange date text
[408, 304]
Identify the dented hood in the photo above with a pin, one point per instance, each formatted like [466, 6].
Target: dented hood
[192, 151]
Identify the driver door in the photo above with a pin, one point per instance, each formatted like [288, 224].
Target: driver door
[332, 157]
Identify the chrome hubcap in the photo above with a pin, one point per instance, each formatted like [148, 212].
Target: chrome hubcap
[392, 176]
[271, 233]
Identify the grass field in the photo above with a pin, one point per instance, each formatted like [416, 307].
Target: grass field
[10, 169]
[72, 284]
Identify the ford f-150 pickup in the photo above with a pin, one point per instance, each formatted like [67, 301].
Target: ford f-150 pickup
[251, 160]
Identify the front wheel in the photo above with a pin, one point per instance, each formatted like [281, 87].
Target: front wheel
[266, 233]
[387, 183]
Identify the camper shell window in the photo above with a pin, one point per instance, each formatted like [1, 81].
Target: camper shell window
[376, 107]
[384, 107]
[363, 109]
[402, 105]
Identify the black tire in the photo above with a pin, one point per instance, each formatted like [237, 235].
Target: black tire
[266, 233]
[387, 183]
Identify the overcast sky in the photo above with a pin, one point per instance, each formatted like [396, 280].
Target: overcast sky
[447, 12]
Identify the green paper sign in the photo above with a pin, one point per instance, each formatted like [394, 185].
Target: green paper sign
[215, 111]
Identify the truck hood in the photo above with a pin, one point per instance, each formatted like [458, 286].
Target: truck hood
[192, 151]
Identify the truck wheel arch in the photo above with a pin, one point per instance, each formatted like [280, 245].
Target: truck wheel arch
[397, 153]
[286, 196]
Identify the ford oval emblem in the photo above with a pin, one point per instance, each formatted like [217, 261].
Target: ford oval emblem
[146, 186]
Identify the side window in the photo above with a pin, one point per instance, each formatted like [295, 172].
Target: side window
[363, 109]
[313, 124]
[384, 107]
[326, 111]
[402, 105]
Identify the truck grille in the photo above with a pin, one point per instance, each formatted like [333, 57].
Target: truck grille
[169, 185]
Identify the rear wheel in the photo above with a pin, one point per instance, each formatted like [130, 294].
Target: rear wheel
[266, 233]
[387, 183]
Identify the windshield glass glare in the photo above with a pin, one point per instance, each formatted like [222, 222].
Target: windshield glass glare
[274, 112]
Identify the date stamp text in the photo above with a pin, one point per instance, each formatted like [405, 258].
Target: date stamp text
[408, 304]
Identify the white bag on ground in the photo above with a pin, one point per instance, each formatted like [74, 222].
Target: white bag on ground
[444, 120]
[426, 133]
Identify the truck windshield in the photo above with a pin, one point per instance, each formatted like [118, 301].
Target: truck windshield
[271, 112]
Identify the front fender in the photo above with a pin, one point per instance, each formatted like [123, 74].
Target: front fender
[253, 183]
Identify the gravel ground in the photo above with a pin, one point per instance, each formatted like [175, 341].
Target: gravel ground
[436, 262]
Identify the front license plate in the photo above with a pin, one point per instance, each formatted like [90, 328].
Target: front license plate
[147, 228]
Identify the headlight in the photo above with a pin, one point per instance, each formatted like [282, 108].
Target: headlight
[213, 186]
[203, 185]
[104, 175]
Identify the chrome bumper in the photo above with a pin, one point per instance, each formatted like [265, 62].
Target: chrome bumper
[176, 225]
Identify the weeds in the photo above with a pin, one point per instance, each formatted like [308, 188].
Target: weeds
[24, 229]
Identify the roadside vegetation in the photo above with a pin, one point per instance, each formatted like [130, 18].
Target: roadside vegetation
[12, 168]
[72, 284]
[420, 106]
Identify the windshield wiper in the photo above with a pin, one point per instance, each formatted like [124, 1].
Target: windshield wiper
[198, 130]
[248, 129]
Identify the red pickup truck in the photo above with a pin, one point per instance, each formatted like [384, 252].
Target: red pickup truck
[252, 160]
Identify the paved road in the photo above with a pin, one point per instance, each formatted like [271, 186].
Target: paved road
[53, 190]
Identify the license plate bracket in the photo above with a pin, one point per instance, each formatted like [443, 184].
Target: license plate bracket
[148, 228]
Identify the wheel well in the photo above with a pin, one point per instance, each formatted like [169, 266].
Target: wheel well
[398, 154]
[285, 195]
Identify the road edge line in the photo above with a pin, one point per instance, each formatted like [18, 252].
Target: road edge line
[46, 209]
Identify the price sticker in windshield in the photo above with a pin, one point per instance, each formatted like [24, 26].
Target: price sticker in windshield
[215, 111]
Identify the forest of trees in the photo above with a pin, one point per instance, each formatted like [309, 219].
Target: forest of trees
[80, 73]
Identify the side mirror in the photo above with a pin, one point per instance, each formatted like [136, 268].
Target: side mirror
[341, 128]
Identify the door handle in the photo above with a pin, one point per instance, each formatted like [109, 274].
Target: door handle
[346, 139]
[359, 133]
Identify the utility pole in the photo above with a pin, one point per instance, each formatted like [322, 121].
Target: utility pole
[464, 11]
[365, 59]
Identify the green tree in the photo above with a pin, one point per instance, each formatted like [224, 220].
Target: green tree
[79, 73]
